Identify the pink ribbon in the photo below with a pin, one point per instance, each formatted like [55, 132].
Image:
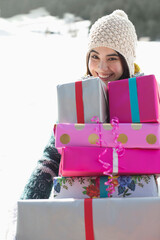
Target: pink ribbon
[118, 147]
[98, 130]
[107, 166]
[110, 189]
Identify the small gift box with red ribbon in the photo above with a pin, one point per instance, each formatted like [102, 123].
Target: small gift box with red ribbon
[135, 100]
[97, 187]
[97, 161]
[142, 135]
[79, 101]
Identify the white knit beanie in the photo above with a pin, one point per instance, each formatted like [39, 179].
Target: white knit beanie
[115, 31]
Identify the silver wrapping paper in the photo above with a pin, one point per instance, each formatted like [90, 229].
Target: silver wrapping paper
[118, 219]
[94, 101]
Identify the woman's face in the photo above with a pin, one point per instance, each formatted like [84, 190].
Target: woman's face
[105, 63]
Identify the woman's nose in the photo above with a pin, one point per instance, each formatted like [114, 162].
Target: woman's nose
[103, 65]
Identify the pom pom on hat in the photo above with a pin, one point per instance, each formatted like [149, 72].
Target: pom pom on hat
[121, 13]
[115, 31]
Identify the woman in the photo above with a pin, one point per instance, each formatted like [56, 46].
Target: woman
[111, 55]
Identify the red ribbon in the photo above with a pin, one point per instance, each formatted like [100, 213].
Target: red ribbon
[88, 219]
[79, 101]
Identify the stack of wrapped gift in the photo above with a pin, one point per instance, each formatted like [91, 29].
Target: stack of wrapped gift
[92, 155]
[92, 164]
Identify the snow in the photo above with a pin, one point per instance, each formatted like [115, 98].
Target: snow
[32, 63]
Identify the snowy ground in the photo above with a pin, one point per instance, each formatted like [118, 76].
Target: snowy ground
[31, 65]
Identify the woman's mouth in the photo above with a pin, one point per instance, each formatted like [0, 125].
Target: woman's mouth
[107, 77]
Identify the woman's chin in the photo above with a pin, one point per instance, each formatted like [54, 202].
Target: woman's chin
[106, 80]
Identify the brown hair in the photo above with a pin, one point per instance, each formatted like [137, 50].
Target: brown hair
[124, 65]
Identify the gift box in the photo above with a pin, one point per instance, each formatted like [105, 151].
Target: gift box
[114, 218]
[87, 161]
[94, 187]
[80, 101]
[142, 135]
[134, 99]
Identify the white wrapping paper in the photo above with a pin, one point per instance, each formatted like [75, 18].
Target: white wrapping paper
[113, 219]
[94, 101]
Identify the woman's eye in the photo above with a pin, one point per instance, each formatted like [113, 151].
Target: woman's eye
[94, 56]
[112, 59]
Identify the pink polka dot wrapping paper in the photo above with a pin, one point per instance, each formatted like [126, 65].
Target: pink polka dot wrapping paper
[131, 135]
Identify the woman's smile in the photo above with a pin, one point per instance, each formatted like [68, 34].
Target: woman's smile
[105, 77]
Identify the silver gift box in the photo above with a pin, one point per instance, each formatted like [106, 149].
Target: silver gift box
[94, 101]
[118, 219]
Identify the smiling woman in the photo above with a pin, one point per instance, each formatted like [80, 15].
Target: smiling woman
[111, 48]
[110, 56]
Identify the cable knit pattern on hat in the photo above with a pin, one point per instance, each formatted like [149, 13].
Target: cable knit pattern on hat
[117, 32]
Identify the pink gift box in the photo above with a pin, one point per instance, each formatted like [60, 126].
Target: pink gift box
[146, 135]
[134, 99]
[84, 161]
